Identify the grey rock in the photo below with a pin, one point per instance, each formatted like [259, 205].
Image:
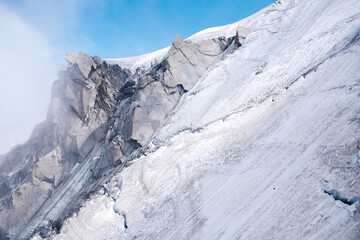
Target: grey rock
[241, 34]
[178, 42]
[187, 61]
[84, 62]
[98, 61]
[99, 116]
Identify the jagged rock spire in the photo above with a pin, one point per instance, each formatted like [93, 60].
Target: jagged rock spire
[84, 61]
[178, 42]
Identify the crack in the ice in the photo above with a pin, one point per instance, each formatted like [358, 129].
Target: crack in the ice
[122, 214]
[338, 197]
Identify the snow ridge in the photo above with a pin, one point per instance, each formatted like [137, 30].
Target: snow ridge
[245, 131]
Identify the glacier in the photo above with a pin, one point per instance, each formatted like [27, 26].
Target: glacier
[245, 131]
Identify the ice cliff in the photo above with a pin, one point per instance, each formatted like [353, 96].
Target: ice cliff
[246, 131]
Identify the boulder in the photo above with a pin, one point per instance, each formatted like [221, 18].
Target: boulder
[84, 62]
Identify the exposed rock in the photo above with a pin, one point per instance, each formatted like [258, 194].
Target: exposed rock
[178, 41]
[241, 34]
[248, 152]
[251, 133]
[144, 80]
[48, 168]
[83, 61]
[187, 61]
[99, 115]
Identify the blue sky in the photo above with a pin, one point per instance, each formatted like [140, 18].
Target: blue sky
[37, 34]
[125, 28]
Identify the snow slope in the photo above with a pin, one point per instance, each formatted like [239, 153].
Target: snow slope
[251, 151]
[143, 61]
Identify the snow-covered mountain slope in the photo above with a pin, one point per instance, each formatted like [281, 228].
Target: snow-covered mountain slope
[101, 116]
[247, 131]
[266, 145]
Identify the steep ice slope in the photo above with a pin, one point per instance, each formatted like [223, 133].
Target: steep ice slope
[101, 116]
[258, 148]
[284, 47]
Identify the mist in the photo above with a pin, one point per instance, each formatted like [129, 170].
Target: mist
[28, 67]
[35, 37]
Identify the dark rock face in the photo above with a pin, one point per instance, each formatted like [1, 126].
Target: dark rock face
[98, 116]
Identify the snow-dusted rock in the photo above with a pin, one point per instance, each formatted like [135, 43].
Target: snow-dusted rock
[188, 60]
[48, 168]
[99, 115]
[84, 62]
[247, 131]
[241, 34]
[264, 145]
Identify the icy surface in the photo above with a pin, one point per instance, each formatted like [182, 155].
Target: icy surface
[227, 30]
[101, 116]
[143, 61]
[250, 151]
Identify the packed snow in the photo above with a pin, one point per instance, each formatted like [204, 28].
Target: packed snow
[143, 61]
[250, 151]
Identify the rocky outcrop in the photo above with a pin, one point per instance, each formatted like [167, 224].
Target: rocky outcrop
[264, 146]
[99, 114]
[187, 61]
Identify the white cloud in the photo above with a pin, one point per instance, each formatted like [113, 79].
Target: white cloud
[62, 22]
[28, 67]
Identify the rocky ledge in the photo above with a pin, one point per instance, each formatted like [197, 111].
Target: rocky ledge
[101, 115]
